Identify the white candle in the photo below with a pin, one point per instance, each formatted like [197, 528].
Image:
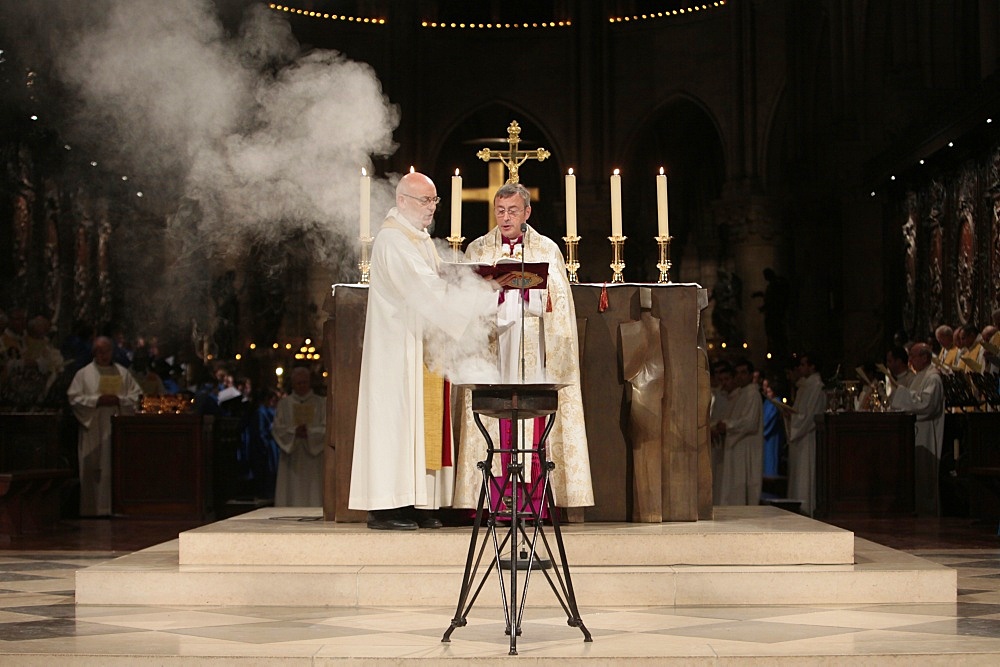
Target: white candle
[456, 205]
[366, 204]
[616, 204]
[662, 213]
[570, 204]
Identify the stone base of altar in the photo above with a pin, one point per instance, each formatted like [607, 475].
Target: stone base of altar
[290, 557]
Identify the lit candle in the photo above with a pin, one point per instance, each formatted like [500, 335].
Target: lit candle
[662, 213]
[570, 204]
[456, 205]
[616, 204]
[366, 204]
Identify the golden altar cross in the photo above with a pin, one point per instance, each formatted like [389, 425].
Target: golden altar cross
[512, 159]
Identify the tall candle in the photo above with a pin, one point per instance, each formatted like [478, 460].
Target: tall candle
[366, 204]
[570, 204]
[616, 204]
[662, 213]
[456, 205]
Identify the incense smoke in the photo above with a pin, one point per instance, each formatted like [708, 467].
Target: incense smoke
[242, 136]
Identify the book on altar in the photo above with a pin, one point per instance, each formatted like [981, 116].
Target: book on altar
[529, 275]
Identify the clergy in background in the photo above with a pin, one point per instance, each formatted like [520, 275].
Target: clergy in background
[551, 354]
[99, 390]
[396, 475]
[300, 430]
[742, 430]
[810, 400]
[925, 399]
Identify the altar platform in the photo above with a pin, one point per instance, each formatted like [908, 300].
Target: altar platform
[289, 557]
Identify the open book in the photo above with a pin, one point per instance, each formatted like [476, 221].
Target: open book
[530, 275]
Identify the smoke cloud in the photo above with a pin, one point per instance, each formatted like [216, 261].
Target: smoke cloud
[241, 134]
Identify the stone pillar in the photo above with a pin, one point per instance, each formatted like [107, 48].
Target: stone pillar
[754, 243]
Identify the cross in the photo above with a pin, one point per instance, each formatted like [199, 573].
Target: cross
[512, 159]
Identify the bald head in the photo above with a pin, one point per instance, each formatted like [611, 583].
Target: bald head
[920, 356]
[416, 199]
[103, 349]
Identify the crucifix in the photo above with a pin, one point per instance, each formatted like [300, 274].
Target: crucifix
[512, 159]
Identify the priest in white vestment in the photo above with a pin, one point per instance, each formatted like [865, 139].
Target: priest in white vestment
[925, 399]
[300, 430]
[99, 390]
[742, 430]
[810, 400]
[551, 355]
[393, 469]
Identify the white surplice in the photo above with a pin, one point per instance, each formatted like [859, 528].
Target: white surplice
[925, 399]
[300, 462]
[94, 433]
[406, 299]
[810, 400]
[743, 460]
[551, 354]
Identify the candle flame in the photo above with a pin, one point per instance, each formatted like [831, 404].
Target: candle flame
[661, 171]
[571, 171]
[456, 172]
[615, 172]
[412, 170]
[365, 173]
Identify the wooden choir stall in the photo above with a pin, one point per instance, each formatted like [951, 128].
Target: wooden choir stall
[645, 392]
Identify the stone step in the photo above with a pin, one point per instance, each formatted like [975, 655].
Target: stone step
[753, 536]
[155, 577]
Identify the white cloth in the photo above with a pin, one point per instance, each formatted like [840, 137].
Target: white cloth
[300, 462]
[94, 433]
[743, 458]
[551, 354]
[925, 399]
[717, 411]
[406, 300]
[810, 400]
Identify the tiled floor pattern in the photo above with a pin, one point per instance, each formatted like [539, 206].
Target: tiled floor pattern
[40, 624]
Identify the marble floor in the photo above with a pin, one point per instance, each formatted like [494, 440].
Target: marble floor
[40, 624]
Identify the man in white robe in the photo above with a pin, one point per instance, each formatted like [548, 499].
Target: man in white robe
[551, 354]
[722, 386]
[810, 400]
[925, 399]
[407, 300]
[99, 390]
[742, 428]
[300, 430]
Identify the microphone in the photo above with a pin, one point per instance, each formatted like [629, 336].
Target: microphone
[523, 293]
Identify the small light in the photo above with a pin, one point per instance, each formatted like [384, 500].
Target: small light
[873, 193]
[34, 117]
[768, 355]
[279, 371]
[67, 147]
[124, 178]
[326, 374]
[208, 356]
[921, 161]
[723, 346]
[989, 120]
[93, 163]
[312, 349]
[745, 345]
[288, 346]
[275, 346]
[308, 341]
[892, 178]
[299, 356]
[138, 194]
[238, 357]
[253, 346]
[951, 144]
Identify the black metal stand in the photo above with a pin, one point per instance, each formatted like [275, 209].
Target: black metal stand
[515, 402]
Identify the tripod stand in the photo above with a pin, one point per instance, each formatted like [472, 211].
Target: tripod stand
[515, 402]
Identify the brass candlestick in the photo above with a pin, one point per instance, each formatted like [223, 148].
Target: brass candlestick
[617, 245]
[664, 264]
[571, 264]
[456, 246]
[365, 263]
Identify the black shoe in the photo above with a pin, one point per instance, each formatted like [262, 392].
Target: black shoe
[389, 520]
[426, 519]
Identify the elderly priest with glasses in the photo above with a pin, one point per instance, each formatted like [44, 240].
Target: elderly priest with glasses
[399, 475]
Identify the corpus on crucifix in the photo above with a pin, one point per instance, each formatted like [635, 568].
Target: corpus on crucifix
[512, 159]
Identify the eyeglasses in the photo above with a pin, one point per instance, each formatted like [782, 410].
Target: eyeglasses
[425, 201]
[512, 212]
